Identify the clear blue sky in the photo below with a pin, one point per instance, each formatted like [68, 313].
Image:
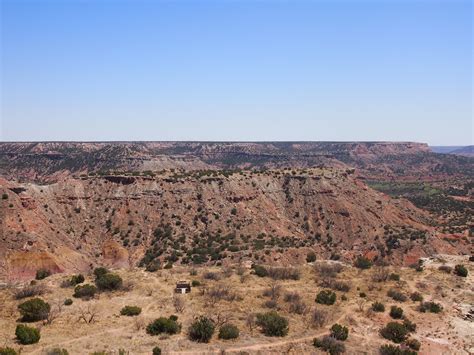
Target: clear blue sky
[237, 70]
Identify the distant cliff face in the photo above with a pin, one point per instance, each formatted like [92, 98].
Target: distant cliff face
[50, 162]
[275, 216]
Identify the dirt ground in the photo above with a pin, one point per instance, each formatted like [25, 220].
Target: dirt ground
[444, 333]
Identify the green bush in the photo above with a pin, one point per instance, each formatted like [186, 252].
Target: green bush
[326, 297]
[34, 310]
[27, 335]
[432, 307]
[460, 270]
[311, 257]
[100, 271]
[396, 312]
[396, 295]
[378, 307]
[228, 331]
[130, 311]
[413, 344]
[394, 277]
[272, 324]
[76, 280]
[163, 325]
[84, 291]
[362, 263]
[395, 350]
[260, 271]
[7, 351]
[201, 330]
[109, 282]
[67, 302]
[42, 274]
[339, 332]
[195, 283]
[330, 345]
[416, 297]
[409, 325]
[156, 350]
[395, 332]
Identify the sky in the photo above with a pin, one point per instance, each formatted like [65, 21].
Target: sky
[229, 70]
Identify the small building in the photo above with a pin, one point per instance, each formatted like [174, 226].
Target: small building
[183, 287]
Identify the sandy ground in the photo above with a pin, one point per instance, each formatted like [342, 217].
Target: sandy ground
[444, 333]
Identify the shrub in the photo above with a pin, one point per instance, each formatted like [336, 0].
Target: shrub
[67, 302]
[460, 270]
[330, 345]
[4, 196]
[432, 307]
[42, 274]
[30, 291]
[326, 297]
[100, 271]
[7, 351]
[395, 350]
[156, 350]
[163, 325]
[260, 271]
[411, 327]
[195, 283]
[201, 330]
[413, 344]
[318, 318]
[378, 307]
[396, 295]
[416, 297]
[57, 351]
[27, 335]
[339, 332]
[76, 280]
[363, 263]
[272, 324]
[284, 273]
[328, 270]
[362, 295]
[396, 312]
[395, 332]
[34, 310]
[130, 311]
[84, 291]
[394, 277]
[228, 331]
[445, 268]
[310, 257]
[109, 282]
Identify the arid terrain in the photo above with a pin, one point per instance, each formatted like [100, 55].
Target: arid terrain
[254, 227]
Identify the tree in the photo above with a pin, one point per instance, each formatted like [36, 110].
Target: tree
[130, 311]
[395, 332]
[378, 307]
[109, 282]
[42, 274]
[100, 271]
[326, 297]
[201, 330]
[272, 324]
[163, 325]
[339, 332]
[156, 350]
[27, 335]
[460, 270]
[363, 263]
[84, 291]
[311, 257]
[330, 345]
[34, 310]
[228, 331]
[396, 312]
